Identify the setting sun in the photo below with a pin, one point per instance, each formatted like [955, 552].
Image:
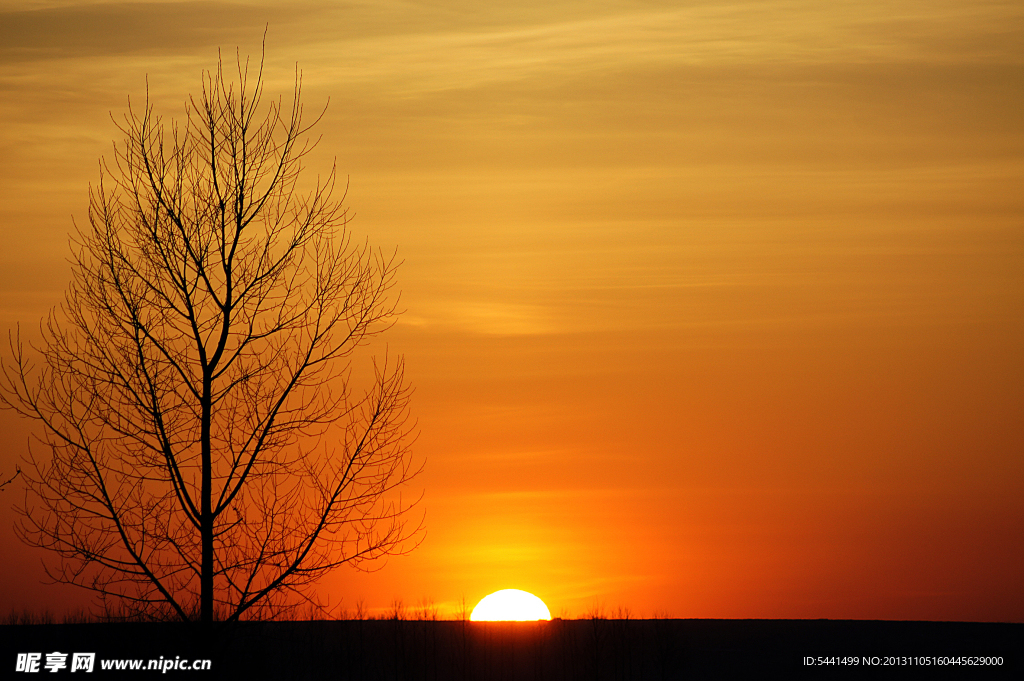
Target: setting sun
[510, 605]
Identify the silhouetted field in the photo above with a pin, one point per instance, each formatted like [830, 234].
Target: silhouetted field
[570, 649]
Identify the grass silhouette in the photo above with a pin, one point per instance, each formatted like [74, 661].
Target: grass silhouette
[405, 643]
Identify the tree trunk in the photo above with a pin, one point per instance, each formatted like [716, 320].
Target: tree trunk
[206, 512]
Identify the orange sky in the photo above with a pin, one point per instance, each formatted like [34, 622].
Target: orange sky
[713, 309]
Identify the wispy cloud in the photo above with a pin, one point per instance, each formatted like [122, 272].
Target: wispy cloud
[627, 37]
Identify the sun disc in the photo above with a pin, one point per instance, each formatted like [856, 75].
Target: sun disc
[510, 605]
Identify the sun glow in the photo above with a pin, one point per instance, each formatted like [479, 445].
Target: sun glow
[510, 605]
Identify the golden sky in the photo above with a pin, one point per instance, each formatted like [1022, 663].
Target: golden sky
[713, 309]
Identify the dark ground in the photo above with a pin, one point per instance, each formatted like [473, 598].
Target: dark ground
[559, 650]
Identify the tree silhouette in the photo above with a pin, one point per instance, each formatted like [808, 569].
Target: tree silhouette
[17, 472]
[206, 452]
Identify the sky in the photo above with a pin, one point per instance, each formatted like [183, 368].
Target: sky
[712, 309]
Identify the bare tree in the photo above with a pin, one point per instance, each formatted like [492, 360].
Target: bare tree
[206, 452]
